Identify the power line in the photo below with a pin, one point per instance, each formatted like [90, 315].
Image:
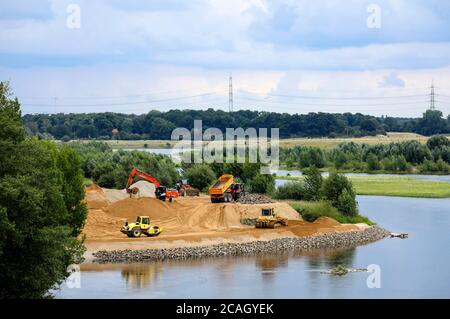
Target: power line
[333, 104]
[341, 98]
[121, 103]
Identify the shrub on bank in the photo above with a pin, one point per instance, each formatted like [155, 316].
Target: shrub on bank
[310, 211]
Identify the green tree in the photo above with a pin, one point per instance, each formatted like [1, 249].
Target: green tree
[373, 164]
[313, 184]
[438, 141]
[346, 203]
[73, 193]
[262, 184]
[333, 191]
[37, 240]
[200, 176]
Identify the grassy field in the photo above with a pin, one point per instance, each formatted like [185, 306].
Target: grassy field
[328, 143]
[399, 186]
[325, 143]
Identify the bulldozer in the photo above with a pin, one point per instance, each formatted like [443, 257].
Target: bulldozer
[269, 219]
[141, 226]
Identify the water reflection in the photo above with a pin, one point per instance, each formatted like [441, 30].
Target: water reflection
[139, 276]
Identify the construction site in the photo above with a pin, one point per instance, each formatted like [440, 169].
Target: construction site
[186, 221]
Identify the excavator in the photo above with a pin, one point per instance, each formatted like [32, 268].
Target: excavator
[161, 192]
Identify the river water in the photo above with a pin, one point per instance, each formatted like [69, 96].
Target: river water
[416, 267]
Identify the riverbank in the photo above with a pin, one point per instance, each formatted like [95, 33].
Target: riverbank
[398, 186]
[325, 241]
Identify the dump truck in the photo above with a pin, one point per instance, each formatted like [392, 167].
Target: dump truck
[269, 219]
[225, 189]
[161, 192]
[141, 226]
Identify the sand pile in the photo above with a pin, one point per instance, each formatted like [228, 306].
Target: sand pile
[95, 197]
[146, 189]
[131, 207]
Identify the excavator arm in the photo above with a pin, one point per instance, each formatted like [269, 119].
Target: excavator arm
[135, 172]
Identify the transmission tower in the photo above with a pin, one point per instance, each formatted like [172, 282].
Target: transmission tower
[432, 96]
[230, 95]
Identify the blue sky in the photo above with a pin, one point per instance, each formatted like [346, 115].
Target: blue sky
[133, 56]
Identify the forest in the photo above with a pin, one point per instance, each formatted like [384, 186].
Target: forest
[157, 125]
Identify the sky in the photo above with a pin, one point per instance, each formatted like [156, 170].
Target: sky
[133, 56]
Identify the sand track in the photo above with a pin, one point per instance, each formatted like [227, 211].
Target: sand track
[187, 221]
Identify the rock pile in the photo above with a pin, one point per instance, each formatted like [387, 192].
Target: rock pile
[334, 240]
[249, 198]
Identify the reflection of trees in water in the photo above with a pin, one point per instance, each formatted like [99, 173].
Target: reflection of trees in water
[268, 264]
[328, 258]
[140, 275]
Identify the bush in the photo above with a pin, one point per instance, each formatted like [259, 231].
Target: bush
[313, 184]
[310, 211]
[439, 166]
[292, 190]
[200, 176]
[373, 164]
[347, 204]
[262, 184]
[438, 141]
[333, 191]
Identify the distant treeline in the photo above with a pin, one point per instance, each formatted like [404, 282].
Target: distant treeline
[159, 125]
[404, 157]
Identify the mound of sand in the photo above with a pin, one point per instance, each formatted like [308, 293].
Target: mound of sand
[146, 189]
[131, 207]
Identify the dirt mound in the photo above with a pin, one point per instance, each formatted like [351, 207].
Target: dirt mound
[129, 208]
[146, 189]
[249, 198]
[326, 222]
[95, 197]
[114, 195]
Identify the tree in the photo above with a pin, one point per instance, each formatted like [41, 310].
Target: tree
[37, 240]
[438, 141]
[346, 203]
[333, 191]
[373, 164]
[431, 123]
[200, 176]
[73, 193]
[262, 184]
[313, 184]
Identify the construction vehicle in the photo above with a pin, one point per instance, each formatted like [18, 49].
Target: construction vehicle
[225, 189]
[187, 190]
[269, 219]
[161, 192]
[141, 226]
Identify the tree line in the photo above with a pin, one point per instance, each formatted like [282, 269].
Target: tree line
[159, 125]
[402, 157]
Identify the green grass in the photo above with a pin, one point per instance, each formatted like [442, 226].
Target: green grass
[399, 186]
[87, 181]
[310, 211]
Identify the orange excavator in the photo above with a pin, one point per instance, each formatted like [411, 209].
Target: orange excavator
[161, 192]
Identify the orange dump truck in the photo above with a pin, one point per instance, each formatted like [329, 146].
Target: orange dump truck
[219, 192]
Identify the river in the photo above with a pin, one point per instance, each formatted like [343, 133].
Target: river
[411, 268]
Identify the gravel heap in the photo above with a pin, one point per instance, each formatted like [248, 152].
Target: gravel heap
[334, 240]
[249, 198]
